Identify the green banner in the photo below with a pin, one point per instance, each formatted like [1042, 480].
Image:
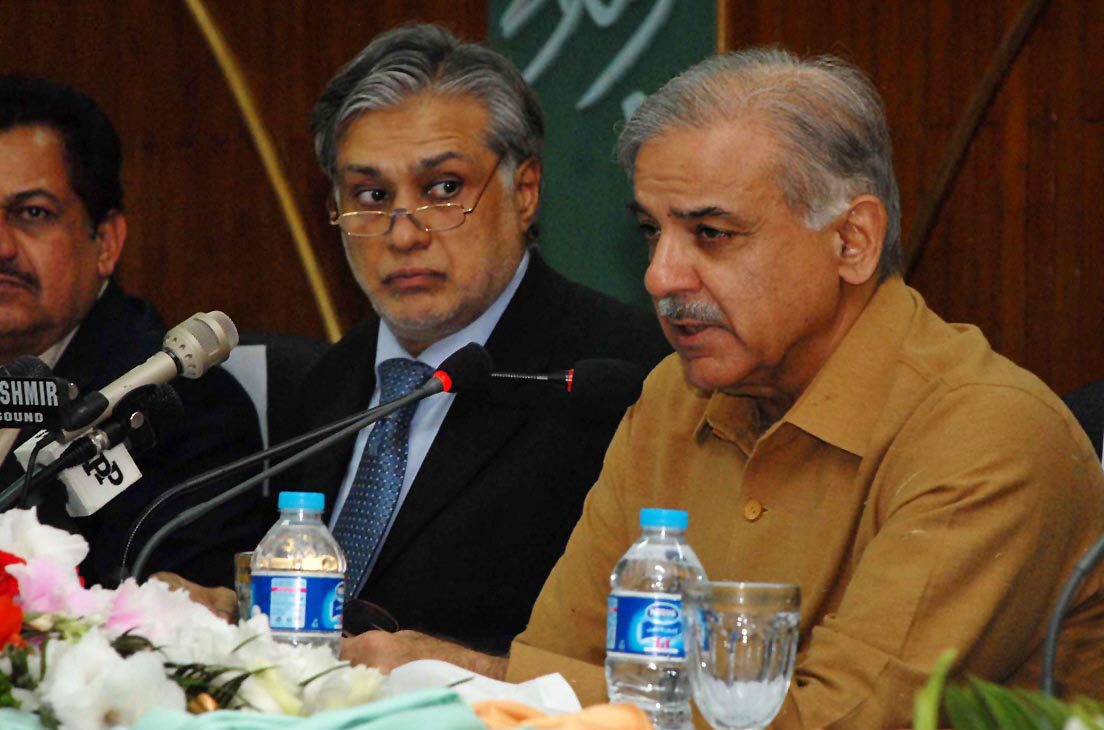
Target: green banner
[592, 62]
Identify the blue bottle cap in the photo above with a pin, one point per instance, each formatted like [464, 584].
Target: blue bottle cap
[654, 517]
[302, 500]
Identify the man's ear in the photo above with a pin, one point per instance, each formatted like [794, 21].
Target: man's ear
[333, 201]
[527, 190]
[110, 235]
[860, 236]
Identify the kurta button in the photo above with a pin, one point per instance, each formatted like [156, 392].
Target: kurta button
[752, 509]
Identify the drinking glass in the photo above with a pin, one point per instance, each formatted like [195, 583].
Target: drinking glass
[741, 639]
[242, 584]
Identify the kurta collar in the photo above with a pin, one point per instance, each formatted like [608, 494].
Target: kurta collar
[840, 406]
[843, 403]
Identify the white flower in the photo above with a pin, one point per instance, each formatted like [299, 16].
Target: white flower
[21, 534]
[90, 687]
[269, 691]
[343, 688]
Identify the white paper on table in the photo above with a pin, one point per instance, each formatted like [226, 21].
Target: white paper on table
[550, 694]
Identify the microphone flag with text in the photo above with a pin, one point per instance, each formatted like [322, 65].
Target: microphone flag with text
[30, 395]
[98, 465]
[189, 349]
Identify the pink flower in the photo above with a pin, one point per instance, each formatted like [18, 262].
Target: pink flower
[46, 586]
[155, 612]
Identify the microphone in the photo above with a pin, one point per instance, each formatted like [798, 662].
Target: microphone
[26, 366]
[462, 370]
[189, 349]
[595, 381]
[142, 418]
[30, 394]
[135, 415]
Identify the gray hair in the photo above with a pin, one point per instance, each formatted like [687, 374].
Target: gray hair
[416, 58]
[824, 112]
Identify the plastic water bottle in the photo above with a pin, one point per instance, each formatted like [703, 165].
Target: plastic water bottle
[298, 574]
[645, 657]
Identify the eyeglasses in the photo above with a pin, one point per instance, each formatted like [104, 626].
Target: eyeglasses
[428, 218]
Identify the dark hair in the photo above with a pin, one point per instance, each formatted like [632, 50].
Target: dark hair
[412, 59]
[93, 155]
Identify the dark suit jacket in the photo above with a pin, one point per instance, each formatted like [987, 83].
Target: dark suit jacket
[503, 484]
[1087, 404]
[219, 425]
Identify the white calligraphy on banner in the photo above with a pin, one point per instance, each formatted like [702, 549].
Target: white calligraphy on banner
[603, 14]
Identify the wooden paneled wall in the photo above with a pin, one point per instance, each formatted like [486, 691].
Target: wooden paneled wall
[206, 231]
[1018, 248]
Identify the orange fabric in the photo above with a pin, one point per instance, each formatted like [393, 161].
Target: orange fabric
[497, 714]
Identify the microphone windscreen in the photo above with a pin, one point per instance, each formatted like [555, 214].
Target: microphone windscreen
[28, 366]
[160, 404]
[467, 368]
[608, 380]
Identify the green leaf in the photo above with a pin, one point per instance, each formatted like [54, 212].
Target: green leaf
[47, 717]
[965, 711]
[1009, 710]
[1093, 720]
[1053, 711]
[925, 708]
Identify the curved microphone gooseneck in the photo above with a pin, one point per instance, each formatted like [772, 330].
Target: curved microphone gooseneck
[465, 367]
[1084, 566]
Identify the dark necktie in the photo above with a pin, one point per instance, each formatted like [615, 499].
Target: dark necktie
[379, 477]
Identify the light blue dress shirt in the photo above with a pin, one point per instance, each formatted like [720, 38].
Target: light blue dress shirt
[431, 412]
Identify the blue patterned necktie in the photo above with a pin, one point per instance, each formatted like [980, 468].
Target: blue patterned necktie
[379, 477]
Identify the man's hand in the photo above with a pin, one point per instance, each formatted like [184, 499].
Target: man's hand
[222, 602]
[386, 651]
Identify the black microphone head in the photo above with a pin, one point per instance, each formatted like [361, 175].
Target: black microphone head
[466, 369]
[28, 366]
[160, 404]
[613, 381]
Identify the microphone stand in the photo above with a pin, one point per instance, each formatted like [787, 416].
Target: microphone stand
[1083, 567]
[354, 424]
[211, 475]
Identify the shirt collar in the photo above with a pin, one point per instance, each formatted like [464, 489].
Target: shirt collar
[840, 405]
[478, 331]
[54, 352]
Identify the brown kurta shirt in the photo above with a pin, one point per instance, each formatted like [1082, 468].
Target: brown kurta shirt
[923, 491]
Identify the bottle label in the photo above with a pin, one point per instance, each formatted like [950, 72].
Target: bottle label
[300, 601]
[644, 624]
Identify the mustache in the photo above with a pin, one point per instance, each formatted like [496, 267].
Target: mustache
[7, 268]
[675, 307]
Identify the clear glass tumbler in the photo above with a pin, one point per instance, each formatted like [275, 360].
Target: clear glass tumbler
[741, 639]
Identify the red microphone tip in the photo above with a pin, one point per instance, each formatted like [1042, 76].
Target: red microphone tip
[446, 381]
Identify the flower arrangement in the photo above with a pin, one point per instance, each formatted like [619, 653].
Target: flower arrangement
[91, 658]
[981, 705]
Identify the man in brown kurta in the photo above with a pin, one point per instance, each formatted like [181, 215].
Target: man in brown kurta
[923, 491]
[819, 423]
